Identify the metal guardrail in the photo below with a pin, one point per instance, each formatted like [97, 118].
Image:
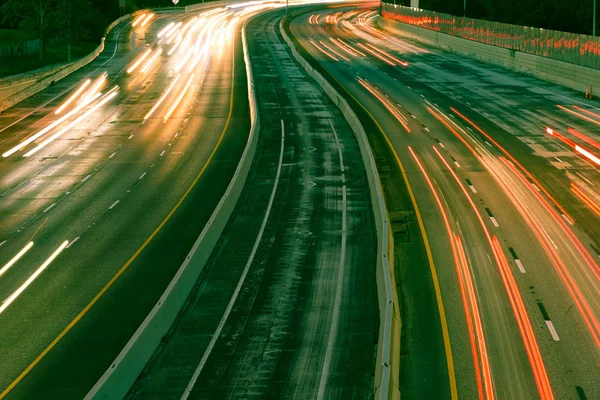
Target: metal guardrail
[573, 48]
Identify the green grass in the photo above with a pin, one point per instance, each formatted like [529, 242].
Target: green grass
[53, 54]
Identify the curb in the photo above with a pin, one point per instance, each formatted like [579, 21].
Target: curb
[123, 372]
[387, 367]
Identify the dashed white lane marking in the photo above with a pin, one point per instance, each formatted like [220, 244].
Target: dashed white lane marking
[143, 175]
[408, 86]
[426, 128]
[130, 136]
[163, 153]
[238, 288]
[112, 155]
[72, 242]
[567, 219]
[49, 208]
[472, 188]
[457, 164]
[493, 219]
[552, 330]
[520, 265]
[442, 145]
[86, 178]
[114, 204]
[3, 242]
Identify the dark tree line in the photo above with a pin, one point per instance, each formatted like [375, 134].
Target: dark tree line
[570, 16]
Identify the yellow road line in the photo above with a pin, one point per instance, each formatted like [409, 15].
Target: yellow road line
[434, 276]
[135, 255]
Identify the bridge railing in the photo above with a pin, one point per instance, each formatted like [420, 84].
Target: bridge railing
[573, 48]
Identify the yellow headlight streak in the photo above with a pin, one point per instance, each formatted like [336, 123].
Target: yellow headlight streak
[139, 61]
[176, 103]
[96, 86]
[148, 18]
[73, 97]
[102, 101]
[151, 61]
[7, 302]
[162, 98]
[165, 30]
[138, 19]
[16, 258]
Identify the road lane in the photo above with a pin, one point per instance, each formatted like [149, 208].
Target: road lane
[272, 293]
[431, 79]
[143, 187]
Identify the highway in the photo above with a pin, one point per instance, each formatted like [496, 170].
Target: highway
[507, 207]
[112, 197]
[287, 307]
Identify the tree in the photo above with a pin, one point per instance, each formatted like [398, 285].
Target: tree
[30, 14]
[68, 18]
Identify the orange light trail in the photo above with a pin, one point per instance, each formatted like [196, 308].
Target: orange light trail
[583, 137]
[387, 104]
[533, 352]
[323, 51]
[579, 114]
[585, 198]
[469, 299]
[578, 149]
[344, 44]
[388, 55]
[176, 103]
[73, 97]
[377, 55]
[514, 160]
[333, 51]
[139, 61]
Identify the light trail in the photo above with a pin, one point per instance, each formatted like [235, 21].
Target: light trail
[16, 258]
[73, 97]
[148, 18]
[333, 51]
[107, 97]
[518, 164]
[165, 30]
[586, 118]
[162, 98]
[483, 374]
[348, 48]
[138, 20]
[520, 312]
[578, 149]
[388, 55]
[588, 200]
[8, 301]
[387, 104]
[151, 61]
[176, 103]
[139, 61]
[583, 137]
[377, 55]
[323, 51]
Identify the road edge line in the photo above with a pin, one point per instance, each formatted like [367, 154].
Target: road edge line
[386, 383]
[119, 377]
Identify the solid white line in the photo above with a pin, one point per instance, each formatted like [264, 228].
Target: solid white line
[49, 208]
[72, 242]
[238, 288]
[494, 222]
[86, 178]
[339, 146]
[552, 331]
[143, 175]
[114, 204]
[15, 258]
[520, 265]
[338, 292]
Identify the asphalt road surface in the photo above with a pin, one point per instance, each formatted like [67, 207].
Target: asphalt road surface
[129, 194]
[514, 248]
[287, 307]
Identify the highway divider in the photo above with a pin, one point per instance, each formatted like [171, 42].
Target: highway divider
[57, 75]
[122, 373]
[387, 371]
[571, 75]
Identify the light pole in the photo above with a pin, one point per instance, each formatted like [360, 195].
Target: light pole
[465, 8]
[594, 23]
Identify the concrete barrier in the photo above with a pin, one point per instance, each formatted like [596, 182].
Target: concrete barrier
[59, 74]
[388, 352]
[562, 73]
[122, 373]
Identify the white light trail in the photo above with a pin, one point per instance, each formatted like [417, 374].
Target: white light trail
[73, 97]
[151, 61]
[176, 103]
[16, 258]
[148, 18]
[165, 30]
[7, 302]
[49, 140]
[138, 19]
[162, 98]
[139, 61]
